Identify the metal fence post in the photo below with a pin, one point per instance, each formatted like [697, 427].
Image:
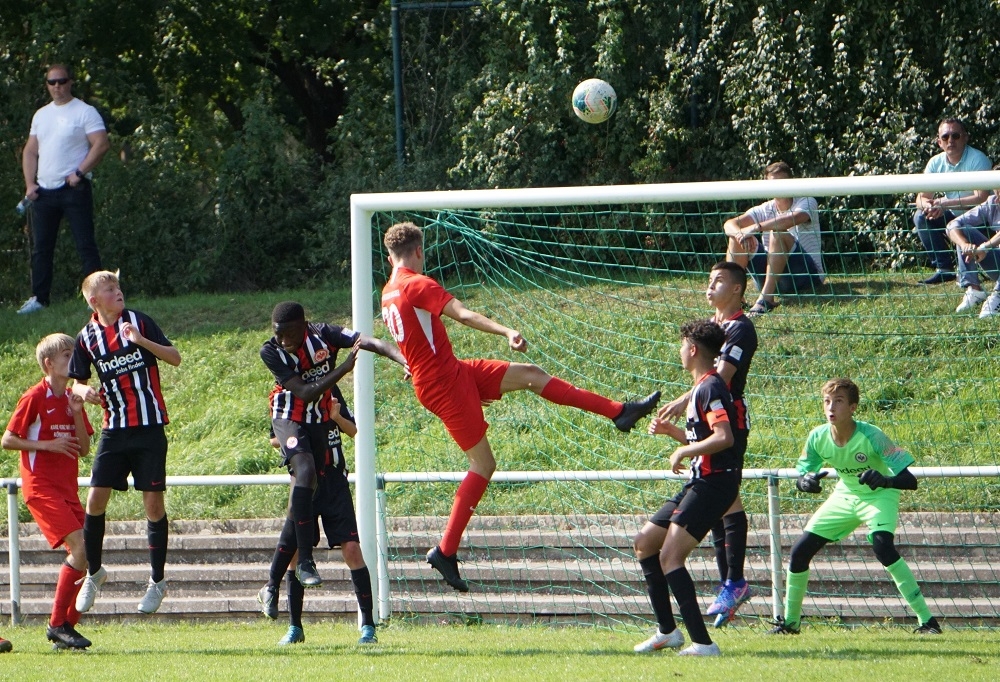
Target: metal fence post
[14, 553]
[774, 524]
[382, 543]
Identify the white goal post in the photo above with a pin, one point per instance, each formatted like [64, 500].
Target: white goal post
[365, 206]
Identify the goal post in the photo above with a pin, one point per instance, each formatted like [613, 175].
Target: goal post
[384, 208]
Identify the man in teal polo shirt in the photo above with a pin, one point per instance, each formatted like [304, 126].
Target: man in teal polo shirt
[934, 213]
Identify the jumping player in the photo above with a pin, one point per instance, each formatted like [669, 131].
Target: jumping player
[50, 428]
[872, 471]
[666, 540]
[727, 283]
[332, 503]
[124, 347]
[302, 358]
[454, 390]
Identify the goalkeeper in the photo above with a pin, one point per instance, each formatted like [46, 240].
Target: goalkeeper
[872, 471]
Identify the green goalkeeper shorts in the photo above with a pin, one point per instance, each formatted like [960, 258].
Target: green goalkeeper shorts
[844, 511]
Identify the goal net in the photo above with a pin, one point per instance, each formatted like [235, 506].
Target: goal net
[598, 280]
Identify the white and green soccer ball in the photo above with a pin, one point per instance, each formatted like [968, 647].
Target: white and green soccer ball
[594, 100]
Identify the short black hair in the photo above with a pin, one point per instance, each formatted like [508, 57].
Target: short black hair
[288, 311]
[736, 271]
[705, 334]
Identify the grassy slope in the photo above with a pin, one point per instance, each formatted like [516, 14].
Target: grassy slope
[613, 339]
[241, 651]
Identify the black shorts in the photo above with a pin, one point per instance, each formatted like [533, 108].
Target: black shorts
[137, 450]
[295, 438]
[333, 504]
[700, 503]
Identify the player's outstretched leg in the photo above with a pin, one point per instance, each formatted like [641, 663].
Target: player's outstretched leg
[635, 410]
[521, 376]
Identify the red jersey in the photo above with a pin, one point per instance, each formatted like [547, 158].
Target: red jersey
[43, 415]
[411, 309]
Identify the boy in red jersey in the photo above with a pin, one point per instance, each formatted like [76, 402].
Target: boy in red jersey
[50, 428]
[124, 347]
[454, 390]
[5, 646]
[666, 540]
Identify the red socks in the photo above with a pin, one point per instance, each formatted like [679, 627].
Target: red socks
[470, 491]
[564, 393]
[64, 607]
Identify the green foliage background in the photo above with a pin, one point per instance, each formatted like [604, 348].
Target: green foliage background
[240, 127]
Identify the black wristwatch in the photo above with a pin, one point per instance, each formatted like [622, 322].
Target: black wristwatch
[80, 174]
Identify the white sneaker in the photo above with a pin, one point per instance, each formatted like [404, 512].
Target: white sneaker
[90, 589]
[700, 650]
[991, 307]
[658, 641]
[972, 298]
[154, 595]
[30, 306]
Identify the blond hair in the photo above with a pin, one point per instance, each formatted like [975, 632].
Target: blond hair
[842, 384]
[402, 239]
[50, 346]
[95, 280]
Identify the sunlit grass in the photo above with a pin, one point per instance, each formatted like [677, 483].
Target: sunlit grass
[247, 651]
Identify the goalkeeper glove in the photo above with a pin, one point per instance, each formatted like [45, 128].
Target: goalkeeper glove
[874, 479]
[809, 483]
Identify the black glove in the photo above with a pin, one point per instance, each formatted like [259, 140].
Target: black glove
[874, 479]
[809, 483]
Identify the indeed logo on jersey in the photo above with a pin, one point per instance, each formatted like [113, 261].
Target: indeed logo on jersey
[122, 362]
[317, 372]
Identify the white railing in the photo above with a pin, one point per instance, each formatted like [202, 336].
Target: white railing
[380, 539]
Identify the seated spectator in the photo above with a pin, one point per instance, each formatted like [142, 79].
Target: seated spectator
[789, 252]
[933, 214]
[976, 251]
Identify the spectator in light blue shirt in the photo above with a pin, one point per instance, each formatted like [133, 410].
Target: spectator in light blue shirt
[968, 233]
[934, 213]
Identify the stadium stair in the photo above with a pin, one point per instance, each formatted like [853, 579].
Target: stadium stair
[524, 569]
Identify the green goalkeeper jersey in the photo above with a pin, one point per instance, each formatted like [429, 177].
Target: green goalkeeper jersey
[868, 448]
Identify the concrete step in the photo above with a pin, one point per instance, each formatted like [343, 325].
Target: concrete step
[573, 566]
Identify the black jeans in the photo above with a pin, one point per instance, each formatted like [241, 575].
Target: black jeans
[77, 205]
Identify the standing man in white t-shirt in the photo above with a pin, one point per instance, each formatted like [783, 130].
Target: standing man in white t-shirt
[67, 140]
[789, 251]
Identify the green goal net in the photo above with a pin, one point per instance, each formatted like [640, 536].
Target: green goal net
[599, 291]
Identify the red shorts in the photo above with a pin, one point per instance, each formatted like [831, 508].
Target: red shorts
[459, 402]
[56, 515]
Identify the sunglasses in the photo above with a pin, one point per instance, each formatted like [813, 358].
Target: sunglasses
[57, 81]
[951, 136]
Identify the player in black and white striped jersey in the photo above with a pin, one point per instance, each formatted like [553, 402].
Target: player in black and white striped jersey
[124, 347]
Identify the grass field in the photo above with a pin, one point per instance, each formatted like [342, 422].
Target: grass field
[247, 651]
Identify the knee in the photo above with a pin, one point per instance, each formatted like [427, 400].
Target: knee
[885, 548]
[155, 508]
[353, 556]
[803, 551]
[305, 471]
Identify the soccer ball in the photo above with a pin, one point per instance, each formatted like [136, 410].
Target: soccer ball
[594, 100]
